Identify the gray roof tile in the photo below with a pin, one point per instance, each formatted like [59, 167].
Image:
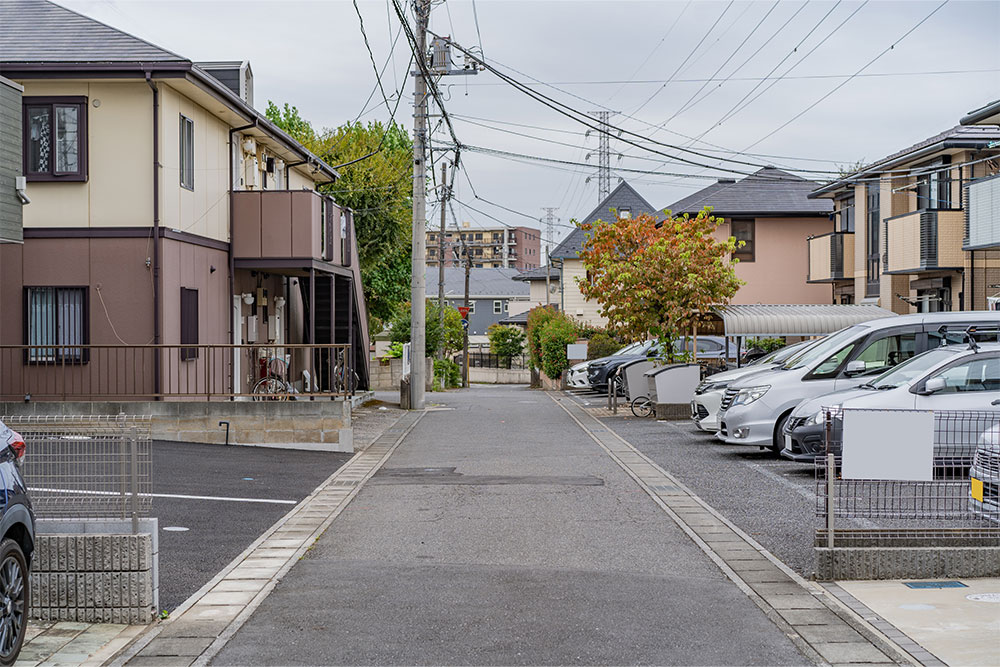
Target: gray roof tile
[767, 192]
[39, 31]
[482, 282]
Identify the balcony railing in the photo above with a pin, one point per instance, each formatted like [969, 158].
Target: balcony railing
[182, 372]
[284, 224]
[924, 240]
[831, 257]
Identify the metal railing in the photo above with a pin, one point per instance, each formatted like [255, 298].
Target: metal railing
[88, 466]
[960, 498]
[198, 371]
[490, 360]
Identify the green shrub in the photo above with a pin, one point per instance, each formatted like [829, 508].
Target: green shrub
[395, 351]
[505, 342]
[601, 344]
[448, 371]
[537, 318]
[555, 335]
[766, 344]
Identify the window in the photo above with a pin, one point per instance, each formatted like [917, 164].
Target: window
[479, 236]
[845, 207]
[979, 374]
[873, 222]
[56, 316]
[432, 237]
[472, 307]
[743, 231]
[189, 323]
[934, 189]
[187, 152]
[829, 367]
[55, 138]
[884, 353]
[624, 213]
[497, 307]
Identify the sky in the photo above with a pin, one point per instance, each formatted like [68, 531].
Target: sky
[800, 85]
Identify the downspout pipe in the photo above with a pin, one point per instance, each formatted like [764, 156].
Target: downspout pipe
[157, 315]
[232, 258]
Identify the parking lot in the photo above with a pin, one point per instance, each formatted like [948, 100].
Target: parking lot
[212, 501]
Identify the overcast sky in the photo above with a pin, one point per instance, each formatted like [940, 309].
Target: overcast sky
[646, 60]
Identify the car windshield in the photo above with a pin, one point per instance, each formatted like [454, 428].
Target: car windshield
[634, 348]
[784, 353]
[912, 368]
[824, 348]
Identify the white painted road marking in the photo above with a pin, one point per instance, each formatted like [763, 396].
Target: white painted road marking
[271, 501]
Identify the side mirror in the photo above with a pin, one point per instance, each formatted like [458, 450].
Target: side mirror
[855, 368]
[934, 385]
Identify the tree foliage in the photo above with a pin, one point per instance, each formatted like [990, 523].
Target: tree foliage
[537, 318]
[505, 341]
[655, 281]
[601, 344]
[555, 335]
[454, 335]
[378, 188]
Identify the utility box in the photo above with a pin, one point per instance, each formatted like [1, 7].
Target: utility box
[671, 388]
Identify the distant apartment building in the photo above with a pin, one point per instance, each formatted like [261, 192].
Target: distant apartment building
[494, 248]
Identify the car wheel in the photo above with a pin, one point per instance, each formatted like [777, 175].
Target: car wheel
[619, 385]
[14, 600]
[778, 442]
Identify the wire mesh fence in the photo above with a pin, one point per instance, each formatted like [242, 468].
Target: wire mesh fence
[959, 495]
[87, 466]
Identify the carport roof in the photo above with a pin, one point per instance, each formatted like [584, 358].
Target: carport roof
[788, 320]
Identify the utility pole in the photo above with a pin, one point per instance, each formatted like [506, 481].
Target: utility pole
[603, 154]
[444, 201]
[465, 330]
[418, 367]
[550, 227]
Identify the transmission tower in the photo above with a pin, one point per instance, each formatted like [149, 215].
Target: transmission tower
[603, 154]
[550, 229]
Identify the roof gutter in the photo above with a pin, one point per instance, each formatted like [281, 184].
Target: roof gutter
[976, 116]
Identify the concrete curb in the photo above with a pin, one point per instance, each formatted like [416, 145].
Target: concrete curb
[200, 627]
[790, 601]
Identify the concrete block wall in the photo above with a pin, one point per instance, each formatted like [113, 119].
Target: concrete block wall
[386, 377]
[105, 578]
[500, 375]
[924, 562]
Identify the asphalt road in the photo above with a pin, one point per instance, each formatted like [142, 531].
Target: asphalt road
[500, 533]
[219, 530]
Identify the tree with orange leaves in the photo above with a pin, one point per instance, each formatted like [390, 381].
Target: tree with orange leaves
[657, 280]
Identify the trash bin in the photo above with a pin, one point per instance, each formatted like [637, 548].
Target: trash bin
[633, 373]
[671, 388]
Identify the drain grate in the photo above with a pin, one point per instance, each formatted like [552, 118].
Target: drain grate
[934, 584]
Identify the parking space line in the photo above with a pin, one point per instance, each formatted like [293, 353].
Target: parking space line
[778, 590]
[77, 492]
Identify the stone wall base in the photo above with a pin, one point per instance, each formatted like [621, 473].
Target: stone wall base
[862, 563]
[673, 411]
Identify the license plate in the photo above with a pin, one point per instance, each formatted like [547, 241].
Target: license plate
[788, 442]
[977, 489]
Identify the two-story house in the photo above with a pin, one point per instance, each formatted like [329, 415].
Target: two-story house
[907, 207]
[982, 233]
[165, 211]
[771, 214]
[12, 193]
[494, 294]
[623, 202]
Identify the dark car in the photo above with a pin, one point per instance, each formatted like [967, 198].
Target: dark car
[599, 370]
[17, 526]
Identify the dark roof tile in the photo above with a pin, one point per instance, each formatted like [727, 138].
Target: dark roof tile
[767, 192]
[624, 196]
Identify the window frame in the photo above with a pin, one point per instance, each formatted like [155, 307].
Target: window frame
[743, 254]
[186, 326]
[57, 358]
[186, 159]
[497, 307]
[79, 101]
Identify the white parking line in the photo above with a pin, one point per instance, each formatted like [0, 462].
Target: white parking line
[271, 501]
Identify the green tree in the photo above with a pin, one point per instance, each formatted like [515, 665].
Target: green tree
[601, 344]
[505, 341]
[454, 335]
[375, 161]
[657, 280]
[555, 335]
[537, 319]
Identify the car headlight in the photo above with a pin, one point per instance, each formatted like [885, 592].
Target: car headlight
[820, 416]
[710, 386]
[598, 364]
[750, 394]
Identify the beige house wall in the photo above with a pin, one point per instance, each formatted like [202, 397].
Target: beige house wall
[574, 304]
[118, 190]
[536, 292]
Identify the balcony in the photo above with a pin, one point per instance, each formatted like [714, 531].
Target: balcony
[281, 225]
[831, 257]
[924, 240]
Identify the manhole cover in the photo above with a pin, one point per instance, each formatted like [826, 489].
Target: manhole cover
[984, 597]
[934, 584]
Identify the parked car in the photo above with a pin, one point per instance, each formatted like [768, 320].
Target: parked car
[708, 395]
[577, 374]
[599, 370]
[952, 377]
[710, 349]
[984, 476]
[754, 409]
[17, 525]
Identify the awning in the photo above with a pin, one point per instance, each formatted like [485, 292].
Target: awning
[788, 320]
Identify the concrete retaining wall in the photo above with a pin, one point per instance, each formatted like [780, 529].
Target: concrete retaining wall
[673, 411]
[89, 571]
[321, 425]
[386, 377]
[862, 563]
[500, 375]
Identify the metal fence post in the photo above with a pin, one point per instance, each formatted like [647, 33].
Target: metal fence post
[831, 472]
[134, 477]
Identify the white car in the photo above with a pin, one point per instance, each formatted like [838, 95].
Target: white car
[708, 395]
[576, 376]
[952, 377]
[754, 410]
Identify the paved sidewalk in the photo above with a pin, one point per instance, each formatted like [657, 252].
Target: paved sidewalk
[52, 644]
[500, 532]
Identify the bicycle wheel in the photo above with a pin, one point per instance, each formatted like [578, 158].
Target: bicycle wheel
[270, 389]
[641, 406]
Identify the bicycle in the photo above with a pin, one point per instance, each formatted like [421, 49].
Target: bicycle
[273, 386]
[641, 406]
